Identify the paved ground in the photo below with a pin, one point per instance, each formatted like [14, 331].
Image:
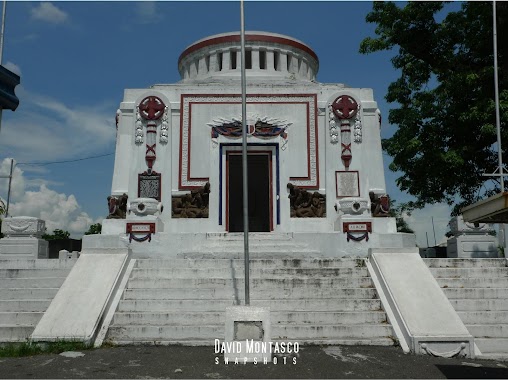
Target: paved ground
[137, 362]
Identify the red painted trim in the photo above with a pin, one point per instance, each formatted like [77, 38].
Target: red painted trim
[227, 191]
[367, 227]
[181, 144]
[128, 228]
[248, 38]
[188, 177]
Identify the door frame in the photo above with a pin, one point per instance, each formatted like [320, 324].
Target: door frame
[267, 153]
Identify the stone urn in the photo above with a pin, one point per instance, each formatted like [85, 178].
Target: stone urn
[144, 206]
[352, 205]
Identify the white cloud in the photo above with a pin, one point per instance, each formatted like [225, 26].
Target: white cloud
[49, 129]
[420, 222]
[13, 67]
[147, 12]
[18, 180]
[47, 12]
[57, 209]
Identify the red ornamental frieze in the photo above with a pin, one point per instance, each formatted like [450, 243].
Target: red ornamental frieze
[344, 107]
[151, 108]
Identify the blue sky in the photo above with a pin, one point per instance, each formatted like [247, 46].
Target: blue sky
[76, 58]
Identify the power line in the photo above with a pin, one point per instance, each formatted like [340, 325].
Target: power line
[63, 162]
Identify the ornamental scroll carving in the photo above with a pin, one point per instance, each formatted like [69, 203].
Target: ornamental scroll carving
[191, 205]
[304, 204]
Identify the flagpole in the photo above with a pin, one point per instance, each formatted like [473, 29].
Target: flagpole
[2, 29]
[244, 160]
[496, 94]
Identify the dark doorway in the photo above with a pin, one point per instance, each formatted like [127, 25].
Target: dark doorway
[259, 171]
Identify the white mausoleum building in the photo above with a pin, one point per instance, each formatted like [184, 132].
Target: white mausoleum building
[163, 270]
[314, 149]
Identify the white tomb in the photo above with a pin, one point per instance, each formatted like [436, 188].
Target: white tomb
[23, 238]
[314, 153]
[471, 240]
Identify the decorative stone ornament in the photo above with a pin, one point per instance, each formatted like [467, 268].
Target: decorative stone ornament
[334, 132]
[151, 108]
[144, 206]
[138, 137]
[352, 205]
[164, 136]
[258, 126]
[458, 227]
[117, 118]
[379, 204]
[23, 226]
[357, 231]
[149, 112]
[345, 109]
[144, 229]
[117, 206]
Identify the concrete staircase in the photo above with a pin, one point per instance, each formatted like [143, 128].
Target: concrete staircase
[478, 290]
[261, 245]
[27, 287]
[312, 301]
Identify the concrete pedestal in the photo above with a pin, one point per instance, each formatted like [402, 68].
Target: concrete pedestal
[22, 238]
[473, 246]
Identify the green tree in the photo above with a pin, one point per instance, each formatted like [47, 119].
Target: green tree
[57, 235]
[444, 98]
[94, 229]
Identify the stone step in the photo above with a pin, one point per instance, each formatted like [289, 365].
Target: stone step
[288, 332]
[30, 293]
[488, 330]
[492, 345]
[42, 282]
[37, 264]
[388, 341]
[469, 272]
[472, 293]
[289, 317]
[33, 273]
[206, 273]
[297, 332]
[473, 282]
[465, 263]
[255, 283]
[228, 293]
[253, 236]
[483, 317]
[256, 255]
[24, 305]
[280, 305]
[259, 263]
[21, 318]
[15, 333]
[479, 304]
[238, 245]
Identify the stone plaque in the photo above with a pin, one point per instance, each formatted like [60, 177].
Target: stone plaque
[248, 330]
[347, 184]
[149, 186]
